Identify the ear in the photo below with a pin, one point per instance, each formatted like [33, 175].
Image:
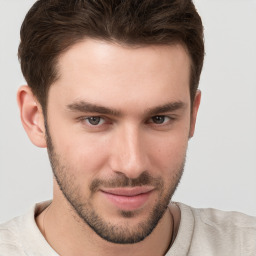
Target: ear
[194, 111]
[31, 115]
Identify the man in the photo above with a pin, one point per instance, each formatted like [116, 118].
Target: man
[112, 94]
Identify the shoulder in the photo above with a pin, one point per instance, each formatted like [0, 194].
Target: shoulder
[21, 236]
[9, 241]
[221, 231]
[225, 219]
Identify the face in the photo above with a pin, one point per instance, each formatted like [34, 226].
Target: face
[118, 123]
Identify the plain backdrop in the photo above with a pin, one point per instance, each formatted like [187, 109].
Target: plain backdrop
[221, 162]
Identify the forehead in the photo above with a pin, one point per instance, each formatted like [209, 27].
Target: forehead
[108, 73]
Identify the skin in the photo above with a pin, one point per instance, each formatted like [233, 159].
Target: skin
[133, 83]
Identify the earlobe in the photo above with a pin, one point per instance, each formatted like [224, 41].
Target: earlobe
[194, 112]
[31, 115]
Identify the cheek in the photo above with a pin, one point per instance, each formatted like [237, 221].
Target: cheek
[87, 156]
[169, 152]
[83, 154]
[171, 155]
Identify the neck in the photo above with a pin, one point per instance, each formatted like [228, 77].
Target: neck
[68, 235]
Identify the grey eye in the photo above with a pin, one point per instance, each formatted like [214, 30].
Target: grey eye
[159, 119]
[94, 120]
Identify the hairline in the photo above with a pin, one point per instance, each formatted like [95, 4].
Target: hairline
[56, 61]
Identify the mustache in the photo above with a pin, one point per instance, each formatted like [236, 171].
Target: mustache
[122, 181]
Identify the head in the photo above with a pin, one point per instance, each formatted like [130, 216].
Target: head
[113, 96]
[44, 38]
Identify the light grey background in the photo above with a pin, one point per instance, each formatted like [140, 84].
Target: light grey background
[221, 162]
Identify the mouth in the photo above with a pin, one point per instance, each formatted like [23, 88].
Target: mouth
[128, 199]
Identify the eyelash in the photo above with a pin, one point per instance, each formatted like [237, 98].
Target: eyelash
[159, 117]
[85, 120]
[94, 117]
[104, 121]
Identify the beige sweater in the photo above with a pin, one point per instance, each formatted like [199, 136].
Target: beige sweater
[202, 232]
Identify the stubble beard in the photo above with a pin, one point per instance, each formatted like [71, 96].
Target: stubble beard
[118, 234]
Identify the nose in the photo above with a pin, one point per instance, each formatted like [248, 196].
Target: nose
[128, 152]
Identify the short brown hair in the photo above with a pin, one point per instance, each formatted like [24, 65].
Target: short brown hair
[52, 26]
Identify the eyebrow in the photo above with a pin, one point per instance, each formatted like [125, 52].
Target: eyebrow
[86, 107]
[169, 107]
[83, 106]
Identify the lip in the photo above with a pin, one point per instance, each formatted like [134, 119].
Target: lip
[128, 199]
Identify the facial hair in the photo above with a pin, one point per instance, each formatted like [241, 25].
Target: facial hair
[114, 233]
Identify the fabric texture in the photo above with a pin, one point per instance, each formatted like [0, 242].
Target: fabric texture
[213, 232]
[201, 232]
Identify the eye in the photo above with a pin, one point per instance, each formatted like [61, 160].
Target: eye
[160, 119]
[95, 120]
